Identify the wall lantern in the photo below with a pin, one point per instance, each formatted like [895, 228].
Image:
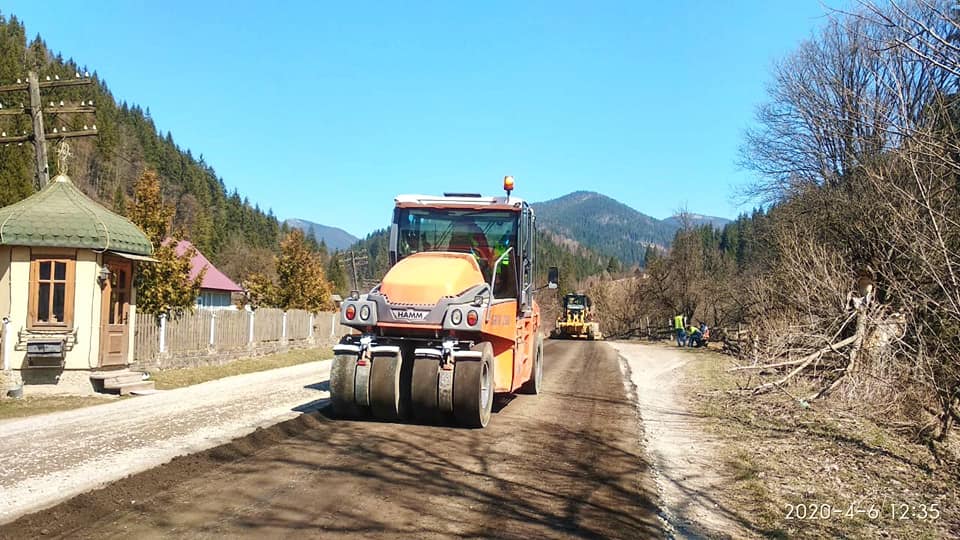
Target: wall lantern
[104, 276]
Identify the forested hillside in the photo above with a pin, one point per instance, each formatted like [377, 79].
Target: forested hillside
[610, 227]
[222, 224]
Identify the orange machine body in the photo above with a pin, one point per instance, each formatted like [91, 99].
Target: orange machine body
[424, 279]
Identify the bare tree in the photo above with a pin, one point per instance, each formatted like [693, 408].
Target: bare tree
[858, 148]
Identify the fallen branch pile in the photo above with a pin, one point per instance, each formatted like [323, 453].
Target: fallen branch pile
[829, 363]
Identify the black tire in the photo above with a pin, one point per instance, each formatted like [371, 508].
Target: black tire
[385, 400]
[473, 388]
[535, 384]
[343, 372]
[424, 398]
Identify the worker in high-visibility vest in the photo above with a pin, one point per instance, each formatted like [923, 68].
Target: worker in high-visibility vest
[678, 325]
[694, 337]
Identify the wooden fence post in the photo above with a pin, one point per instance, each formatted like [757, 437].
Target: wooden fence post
[163, 332]
[310, 328]
[251, 334]
[213, 329]
[283, 327]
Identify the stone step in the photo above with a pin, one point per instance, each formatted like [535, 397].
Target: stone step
[142, 386]
[122, 379]
[107, 373]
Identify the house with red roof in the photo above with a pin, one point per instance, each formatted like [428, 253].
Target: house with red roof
[216, 289]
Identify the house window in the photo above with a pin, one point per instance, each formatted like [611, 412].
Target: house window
[51, 292]
[214, 300]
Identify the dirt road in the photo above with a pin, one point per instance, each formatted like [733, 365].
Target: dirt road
[680, 444]
[567, 463]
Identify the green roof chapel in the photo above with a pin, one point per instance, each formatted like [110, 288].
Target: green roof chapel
[60, 215]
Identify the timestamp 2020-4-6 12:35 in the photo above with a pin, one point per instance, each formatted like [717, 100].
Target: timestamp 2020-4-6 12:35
[887, 510]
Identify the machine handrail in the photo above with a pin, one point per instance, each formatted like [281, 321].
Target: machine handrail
[496, 266]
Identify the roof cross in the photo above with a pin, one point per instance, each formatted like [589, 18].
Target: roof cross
[63, 156]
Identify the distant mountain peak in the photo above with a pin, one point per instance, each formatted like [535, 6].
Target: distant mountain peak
[335, 238]
[610, 227]
[697, 220]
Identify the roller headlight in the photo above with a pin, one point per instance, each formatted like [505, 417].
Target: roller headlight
[365, 312]
[456, 317]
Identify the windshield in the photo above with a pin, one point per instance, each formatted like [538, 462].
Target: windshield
[575, 301]
[486, 235]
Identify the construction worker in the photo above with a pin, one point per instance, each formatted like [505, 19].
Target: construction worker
[678, 326]
[498, 249]
[469, 237]
[694, 337]
[506, 282]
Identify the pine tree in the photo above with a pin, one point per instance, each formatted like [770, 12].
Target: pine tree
[613, 266]
[337, 275]
[261, 291]
[120, 201]
[163, 287]
[650, 255]
[300, 272]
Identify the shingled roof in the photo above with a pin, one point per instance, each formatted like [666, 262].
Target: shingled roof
[60, 215]
[213, 279]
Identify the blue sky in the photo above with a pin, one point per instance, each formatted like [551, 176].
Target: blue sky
[324, 111]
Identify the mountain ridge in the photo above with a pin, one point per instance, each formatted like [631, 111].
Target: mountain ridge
[582, 225]
[610, 227]
[588, 220]
[335, 238]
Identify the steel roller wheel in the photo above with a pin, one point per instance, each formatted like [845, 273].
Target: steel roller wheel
[424, 402]
[473, 388]
[385, 398]
[342, 376]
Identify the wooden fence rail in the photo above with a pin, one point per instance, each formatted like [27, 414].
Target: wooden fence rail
[232, 330]
[268, 325]
[146, 342]
[299, 324]
[159, 342]
[188, 334]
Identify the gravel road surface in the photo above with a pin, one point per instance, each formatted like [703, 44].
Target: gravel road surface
[566, 463]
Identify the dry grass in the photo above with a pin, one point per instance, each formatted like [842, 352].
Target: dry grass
[780, 454]
[178, 378]
[33, 405]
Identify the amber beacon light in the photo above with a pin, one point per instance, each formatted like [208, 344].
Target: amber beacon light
[508, 184]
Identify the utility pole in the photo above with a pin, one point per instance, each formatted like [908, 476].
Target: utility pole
[354, 259]
[353, 262]
[39, 137]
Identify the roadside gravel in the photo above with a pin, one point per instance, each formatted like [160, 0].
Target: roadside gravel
[49, 458]
[681, 449]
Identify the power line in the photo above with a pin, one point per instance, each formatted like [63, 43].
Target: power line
[358, 265]
[39, 137]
